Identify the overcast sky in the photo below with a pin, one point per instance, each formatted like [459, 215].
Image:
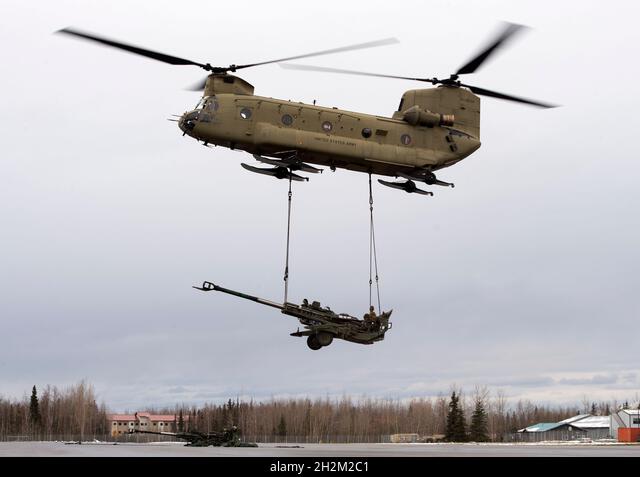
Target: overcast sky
[523, 278]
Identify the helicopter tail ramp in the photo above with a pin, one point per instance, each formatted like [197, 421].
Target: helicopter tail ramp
[459, 102]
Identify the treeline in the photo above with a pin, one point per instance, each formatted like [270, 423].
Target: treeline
[73, 413]
[53, 413]
[483, 417]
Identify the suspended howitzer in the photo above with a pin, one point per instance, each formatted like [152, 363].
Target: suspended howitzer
[321, 324]
[226, 438]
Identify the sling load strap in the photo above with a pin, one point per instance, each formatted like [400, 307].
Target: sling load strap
[373, 258]
[286, 265]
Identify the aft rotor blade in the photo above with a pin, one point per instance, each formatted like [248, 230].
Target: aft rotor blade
[495, 94]
[360, 46]
[172, 60]
[291, 66]
[472, 65]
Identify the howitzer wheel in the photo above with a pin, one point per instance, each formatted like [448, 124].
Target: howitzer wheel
[324, 338]
[313, 343]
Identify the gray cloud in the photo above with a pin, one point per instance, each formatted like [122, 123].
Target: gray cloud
[595, 380]
[523, 277]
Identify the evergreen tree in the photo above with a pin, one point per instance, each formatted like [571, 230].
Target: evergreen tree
[230, 413]
[453, 408]
[282, 426]
[236, 412]
[225, 415]
[456, 429]
[193, 423]
[478, 431]
[461, 426]
[180, 421]
[34, 409]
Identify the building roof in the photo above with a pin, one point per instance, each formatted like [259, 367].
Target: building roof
[548, 426]
[157, 417]
[138, 415]
[587, 421]
[579, 417]
[121, 417]
[593, 422]
[541, 427]
[579, 422]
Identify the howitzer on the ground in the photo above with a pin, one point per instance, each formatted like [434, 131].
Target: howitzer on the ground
[226, 438]
[321, 324]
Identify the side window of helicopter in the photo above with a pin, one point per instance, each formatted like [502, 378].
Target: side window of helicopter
[366, 133]
[327, 126]
[245, 113]
[287, 119]
[405, 139]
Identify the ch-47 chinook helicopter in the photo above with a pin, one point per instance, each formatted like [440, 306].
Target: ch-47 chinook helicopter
[432, 129]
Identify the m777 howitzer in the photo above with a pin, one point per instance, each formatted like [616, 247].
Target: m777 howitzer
[226, 438]
[321, 324]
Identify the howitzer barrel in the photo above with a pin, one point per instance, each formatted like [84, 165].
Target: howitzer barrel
[173, 434]
[208, 286]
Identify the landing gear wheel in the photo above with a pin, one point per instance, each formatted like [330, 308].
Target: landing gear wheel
[313, 343]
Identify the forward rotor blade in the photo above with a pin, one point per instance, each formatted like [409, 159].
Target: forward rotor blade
[291, 66]
[360, 46]
[172, 60]
[495, 94]
[473, 64]
[199, 86]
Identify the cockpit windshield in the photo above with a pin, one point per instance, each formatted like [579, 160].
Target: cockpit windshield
[211, 104]
[208, 103]
[201, 103]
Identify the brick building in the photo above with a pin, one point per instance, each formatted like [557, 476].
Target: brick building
[124, 423]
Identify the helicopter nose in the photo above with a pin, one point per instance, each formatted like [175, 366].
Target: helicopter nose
[188, 121]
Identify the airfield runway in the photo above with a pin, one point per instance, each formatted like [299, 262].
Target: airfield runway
[60, 449]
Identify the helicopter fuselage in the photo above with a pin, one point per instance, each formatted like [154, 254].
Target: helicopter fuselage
[325, 136]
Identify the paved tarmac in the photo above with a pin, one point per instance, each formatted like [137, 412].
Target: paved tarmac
[60, 449]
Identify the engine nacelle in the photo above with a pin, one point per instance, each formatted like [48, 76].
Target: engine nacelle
[416, 116]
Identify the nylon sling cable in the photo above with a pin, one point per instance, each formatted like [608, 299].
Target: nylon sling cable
[286, 265]
[373, 258]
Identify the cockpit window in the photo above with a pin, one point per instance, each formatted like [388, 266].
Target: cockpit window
[211, 105]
